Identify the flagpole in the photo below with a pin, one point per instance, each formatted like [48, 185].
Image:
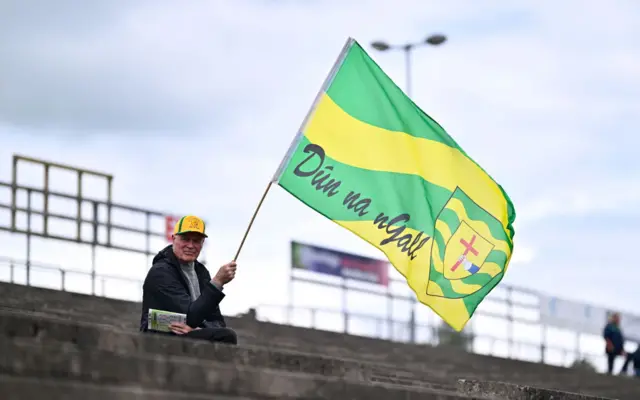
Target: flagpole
[255, 213]
[294, 143]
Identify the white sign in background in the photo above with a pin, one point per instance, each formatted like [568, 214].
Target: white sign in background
[584, 318]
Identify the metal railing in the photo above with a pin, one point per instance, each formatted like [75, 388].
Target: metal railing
[61, 282]
[97, 220]
[504, 297]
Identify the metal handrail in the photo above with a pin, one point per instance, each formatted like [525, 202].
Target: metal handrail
[13, 264]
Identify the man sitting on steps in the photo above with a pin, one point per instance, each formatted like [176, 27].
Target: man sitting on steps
[177, 282]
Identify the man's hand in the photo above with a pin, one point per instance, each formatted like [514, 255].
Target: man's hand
[180, 329]
[225, 274]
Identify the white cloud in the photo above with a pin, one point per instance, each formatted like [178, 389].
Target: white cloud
[522, 255]
[618, 195]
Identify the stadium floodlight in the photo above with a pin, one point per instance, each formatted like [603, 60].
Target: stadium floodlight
[381, 46]
[436, 39]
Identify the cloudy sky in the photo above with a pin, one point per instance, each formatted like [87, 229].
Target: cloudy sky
[192, 105]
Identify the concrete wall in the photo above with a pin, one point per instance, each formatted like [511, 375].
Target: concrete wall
[76, 345]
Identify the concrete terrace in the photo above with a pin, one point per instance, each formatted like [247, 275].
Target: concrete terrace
[74, 346]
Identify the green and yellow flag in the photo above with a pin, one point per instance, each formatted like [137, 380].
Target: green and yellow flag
[369, 159]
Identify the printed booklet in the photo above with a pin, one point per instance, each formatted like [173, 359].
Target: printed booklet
[160, 320]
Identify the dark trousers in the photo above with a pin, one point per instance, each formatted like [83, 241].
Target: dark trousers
[611, 358]
[630, 358]
[224, 335]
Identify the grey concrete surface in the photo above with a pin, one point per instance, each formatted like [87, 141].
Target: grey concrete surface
[65, 362]
[509, 391]
[25, 388]
[111, 326]
[90, 337]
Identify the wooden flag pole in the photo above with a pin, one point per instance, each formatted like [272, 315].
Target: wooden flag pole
[264, 195]
[285, 160]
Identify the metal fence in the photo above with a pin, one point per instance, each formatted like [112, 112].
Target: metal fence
[426, 333]
[516, 308]
[58, 278]
[96, 219]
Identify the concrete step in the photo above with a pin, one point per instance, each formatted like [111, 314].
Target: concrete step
[507, 391]
[453, 363]
[21, 388]
[45, 329]
[67, 363]
[37, 329]
[336, 345]
[126, 315]
[97, 309]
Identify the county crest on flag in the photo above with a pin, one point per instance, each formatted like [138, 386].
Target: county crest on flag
[369, 159]
[469, 250]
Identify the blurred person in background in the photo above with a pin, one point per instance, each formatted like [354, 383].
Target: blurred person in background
[178, 282]
[614, 341]
[632, 358]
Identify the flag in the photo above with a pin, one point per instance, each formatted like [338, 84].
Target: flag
[369, 159]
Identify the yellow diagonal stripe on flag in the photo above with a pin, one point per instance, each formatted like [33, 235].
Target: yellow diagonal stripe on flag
[353, 142]
[368, 231]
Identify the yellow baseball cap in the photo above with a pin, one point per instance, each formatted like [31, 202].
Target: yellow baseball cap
[189, 223]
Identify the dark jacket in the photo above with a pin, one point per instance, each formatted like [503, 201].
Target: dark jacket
[165, 288]
[612, 333]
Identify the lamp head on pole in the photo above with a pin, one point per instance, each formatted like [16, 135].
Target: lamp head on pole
[436, 39]
[380, 46]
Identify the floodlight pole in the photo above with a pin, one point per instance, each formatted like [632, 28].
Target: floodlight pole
[433, 40]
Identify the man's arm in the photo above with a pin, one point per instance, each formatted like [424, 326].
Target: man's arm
[170, 295]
